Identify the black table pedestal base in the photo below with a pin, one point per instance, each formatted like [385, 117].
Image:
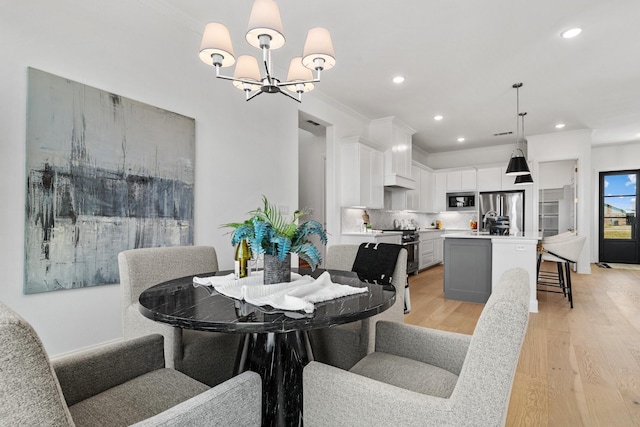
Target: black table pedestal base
[279, 358]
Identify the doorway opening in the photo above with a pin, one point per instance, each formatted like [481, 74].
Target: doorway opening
[312, 148]
[557, 198]
[618, 222]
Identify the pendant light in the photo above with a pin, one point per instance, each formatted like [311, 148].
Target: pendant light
[517, 163]
[523, 179]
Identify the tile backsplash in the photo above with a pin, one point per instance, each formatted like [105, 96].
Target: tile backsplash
[383, 220]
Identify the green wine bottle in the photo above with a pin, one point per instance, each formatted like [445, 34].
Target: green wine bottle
[243, 255]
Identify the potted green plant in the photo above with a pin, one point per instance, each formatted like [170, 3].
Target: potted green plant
[268, 232]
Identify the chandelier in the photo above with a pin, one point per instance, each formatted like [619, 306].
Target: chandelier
[265, 32]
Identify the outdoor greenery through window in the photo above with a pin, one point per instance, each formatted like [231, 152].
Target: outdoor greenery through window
[619, 206]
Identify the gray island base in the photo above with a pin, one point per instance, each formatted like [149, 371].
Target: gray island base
[473, 263]
[467, 269]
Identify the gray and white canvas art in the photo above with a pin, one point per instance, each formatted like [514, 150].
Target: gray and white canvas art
[104, 174]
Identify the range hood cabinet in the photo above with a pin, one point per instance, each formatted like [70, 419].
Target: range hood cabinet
[396, 137]
[398, 182]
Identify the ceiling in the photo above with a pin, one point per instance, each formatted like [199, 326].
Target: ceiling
[460, 59]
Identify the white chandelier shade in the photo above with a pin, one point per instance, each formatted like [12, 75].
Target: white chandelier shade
[247, 69]
[265, 32]
[265, 19]
[216, 40]
[318, 46]
[299, 73]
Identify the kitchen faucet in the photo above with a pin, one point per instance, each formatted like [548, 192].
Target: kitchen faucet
[489, 214]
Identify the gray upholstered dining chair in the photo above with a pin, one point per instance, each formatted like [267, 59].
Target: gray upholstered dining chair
[117, 384]
[344, 345]
[424, 377]
[209, 357]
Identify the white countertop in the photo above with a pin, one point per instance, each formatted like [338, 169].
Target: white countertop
[485, 235]
[373, 233]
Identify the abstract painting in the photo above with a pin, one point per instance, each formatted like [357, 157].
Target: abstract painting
[104, 174]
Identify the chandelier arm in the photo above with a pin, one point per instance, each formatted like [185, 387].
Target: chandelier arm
[293, 97]
[256, 93]
[292, 83]
[234, 79]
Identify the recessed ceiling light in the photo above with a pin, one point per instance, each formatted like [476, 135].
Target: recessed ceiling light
[398, 79]
[461, 139]
[438, 117]
[560, 125]
[569, 34]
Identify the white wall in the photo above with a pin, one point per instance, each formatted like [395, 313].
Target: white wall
[606, 159]
[243, 150]
[555, 174]
[567, 146]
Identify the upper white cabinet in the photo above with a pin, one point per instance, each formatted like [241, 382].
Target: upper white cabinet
[463, 180]
[439, 191]
[490, 179]
[362, 174]
[494, 179]
[395, 136]
[421, 198]
[413, 196]
[426, 191]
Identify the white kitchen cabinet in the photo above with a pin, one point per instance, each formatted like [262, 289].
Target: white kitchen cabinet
[463, 180]
[431, 248]
[426, 191]
[468, 179]
[362, 174]
[421, 199]
[413, 196]
[396, 137]
[495, 179]
[439, 191]
[438, 247]
[490, 179]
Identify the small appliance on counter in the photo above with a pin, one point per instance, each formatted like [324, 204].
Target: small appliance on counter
[498, 226]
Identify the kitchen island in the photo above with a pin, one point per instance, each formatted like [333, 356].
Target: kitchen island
[474, 261]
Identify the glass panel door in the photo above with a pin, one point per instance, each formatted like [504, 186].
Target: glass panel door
[618, 221]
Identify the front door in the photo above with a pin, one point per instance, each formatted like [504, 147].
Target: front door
[618, 221]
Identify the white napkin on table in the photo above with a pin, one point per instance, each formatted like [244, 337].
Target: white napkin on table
[297, 295]
[233, 287]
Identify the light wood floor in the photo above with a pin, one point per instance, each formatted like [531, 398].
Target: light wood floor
[578, 367]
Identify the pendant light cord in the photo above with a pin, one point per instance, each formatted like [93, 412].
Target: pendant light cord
[517, 87]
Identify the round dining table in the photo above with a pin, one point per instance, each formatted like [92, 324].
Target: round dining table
[276, 344]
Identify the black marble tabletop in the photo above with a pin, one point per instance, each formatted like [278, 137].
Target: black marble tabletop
[179, 303]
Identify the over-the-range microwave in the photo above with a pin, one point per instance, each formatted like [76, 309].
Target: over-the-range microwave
[461, 201]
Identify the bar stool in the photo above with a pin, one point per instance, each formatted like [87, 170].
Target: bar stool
[565, 250]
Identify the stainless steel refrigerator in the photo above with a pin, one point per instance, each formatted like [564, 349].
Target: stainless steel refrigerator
[500, 204]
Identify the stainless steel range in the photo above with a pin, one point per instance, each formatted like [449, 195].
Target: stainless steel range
[411, 242]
